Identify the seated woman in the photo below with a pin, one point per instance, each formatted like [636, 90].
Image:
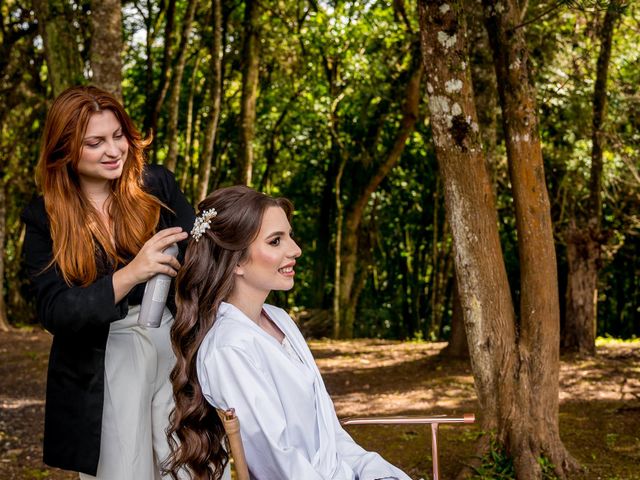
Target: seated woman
[235, 351]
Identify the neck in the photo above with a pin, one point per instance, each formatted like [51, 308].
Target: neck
[97, 194]
[250, 305]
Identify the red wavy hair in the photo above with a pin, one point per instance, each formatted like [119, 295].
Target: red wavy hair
[75, 223]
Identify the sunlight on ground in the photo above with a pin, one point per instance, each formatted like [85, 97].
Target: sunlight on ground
[419, 383]
[15, 403]
[416, 402]
[584, 377]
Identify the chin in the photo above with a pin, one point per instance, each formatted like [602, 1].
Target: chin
[284, 288]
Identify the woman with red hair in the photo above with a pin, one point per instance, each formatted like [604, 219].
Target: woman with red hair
[93, 239]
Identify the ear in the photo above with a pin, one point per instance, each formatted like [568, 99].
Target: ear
[238, 270]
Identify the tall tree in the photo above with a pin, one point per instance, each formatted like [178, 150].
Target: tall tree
[353, 214]
[61, 49]
[516, 374]
[250, 70]
[106, 45]
[178, 72]
[4, 321]
[155, 98]
[215, 98]
[535, 433]
[584, 236]
[19, 84]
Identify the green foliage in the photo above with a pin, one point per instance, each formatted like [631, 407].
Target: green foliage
[608, 340]
[36, 473]
[496, 464]
[331, 83]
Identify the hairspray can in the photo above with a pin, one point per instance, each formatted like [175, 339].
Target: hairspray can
[155, 295]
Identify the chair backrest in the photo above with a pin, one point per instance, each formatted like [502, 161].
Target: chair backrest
[232, 429]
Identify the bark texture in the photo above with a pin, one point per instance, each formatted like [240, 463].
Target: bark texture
[64, 64]
[106, 45]
[457, 346]
[251, 59]
[584, 237]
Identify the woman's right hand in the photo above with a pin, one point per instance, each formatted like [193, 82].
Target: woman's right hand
[148, 262]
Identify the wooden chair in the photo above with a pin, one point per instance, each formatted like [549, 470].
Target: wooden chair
[232, 429]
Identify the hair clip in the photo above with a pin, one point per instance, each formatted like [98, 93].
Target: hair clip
[203, 221]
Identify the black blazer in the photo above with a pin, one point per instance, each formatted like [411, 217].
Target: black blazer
[79, 319]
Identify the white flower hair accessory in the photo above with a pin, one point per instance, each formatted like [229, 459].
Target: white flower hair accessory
[203, 221]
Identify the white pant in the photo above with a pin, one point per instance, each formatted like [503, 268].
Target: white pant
[137, 400]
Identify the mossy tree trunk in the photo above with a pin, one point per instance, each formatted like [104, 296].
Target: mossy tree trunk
[106, 45]
[61, 49]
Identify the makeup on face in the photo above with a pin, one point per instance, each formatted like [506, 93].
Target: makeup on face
[104, 150]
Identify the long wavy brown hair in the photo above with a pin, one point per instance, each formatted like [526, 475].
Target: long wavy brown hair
[195, 432]
[75, 223]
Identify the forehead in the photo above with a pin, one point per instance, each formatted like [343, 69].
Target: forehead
[274, 220]
[102, 123]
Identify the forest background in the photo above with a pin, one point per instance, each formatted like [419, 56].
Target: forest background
[459, 169]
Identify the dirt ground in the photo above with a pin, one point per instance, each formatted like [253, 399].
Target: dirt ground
[599, 411]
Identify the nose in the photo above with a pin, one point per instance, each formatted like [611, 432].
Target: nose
[113, 150]
[295, 250]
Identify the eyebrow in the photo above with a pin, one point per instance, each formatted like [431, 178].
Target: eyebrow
[101, 136]
[275, 234]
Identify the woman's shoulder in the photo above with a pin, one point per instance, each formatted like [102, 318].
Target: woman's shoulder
[228, 332]
[35, 213]
[158, 180]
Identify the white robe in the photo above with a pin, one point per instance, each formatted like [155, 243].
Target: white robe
[288, 424]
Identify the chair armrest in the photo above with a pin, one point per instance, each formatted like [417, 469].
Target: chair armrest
[434, 421]
[408, 420]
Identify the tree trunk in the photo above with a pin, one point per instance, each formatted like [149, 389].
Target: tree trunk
[189, 181]
[204, 172]
[353, 217]
[470, 207]
[106, 45]
[251, 63]
[338, 313]
[516, 377]
[64, 64]
[321, 267]
[157, 98]
[485, 90]
[583, 254]
[174, 100]
[457, 346]
[195, 87]
[584, 243]
[531, 430]
[4, 321]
